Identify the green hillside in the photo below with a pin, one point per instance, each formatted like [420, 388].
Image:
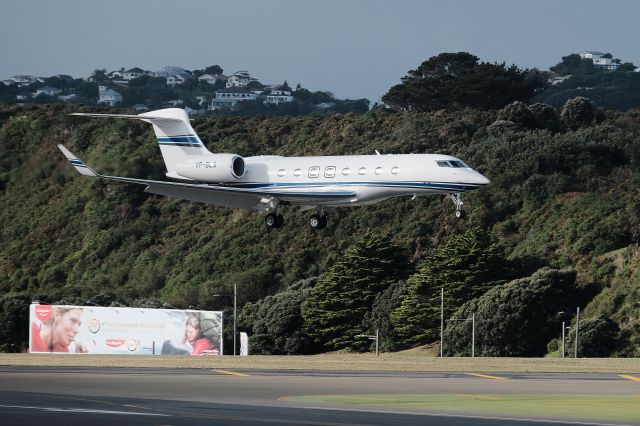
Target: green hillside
[562, 200]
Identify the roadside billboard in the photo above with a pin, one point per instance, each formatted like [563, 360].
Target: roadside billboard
[124, 331]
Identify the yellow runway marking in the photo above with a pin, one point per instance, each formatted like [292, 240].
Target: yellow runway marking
[629, 377]
[231, 373]
[487, 376]
[281, 398]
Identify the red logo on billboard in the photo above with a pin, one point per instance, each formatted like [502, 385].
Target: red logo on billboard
[114, 343]
[43, 312]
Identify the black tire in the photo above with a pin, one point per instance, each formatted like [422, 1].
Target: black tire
[323, 221]
[271, 220]
[315, 221]
[460, 214]
[279, 221]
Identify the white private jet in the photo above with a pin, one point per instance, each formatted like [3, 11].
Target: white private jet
[268, 182]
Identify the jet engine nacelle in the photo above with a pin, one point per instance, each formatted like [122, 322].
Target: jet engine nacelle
[213, 168]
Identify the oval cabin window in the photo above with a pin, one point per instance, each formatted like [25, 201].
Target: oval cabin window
[378, 170]
[362, 171]
[395, 170]
[346, 171]
[297, 172]
[281, 172]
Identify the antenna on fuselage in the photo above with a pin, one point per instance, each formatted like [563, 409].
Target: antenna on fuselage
[377, 152]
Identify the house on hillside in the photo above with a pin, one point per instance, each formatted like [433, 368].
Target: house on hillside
[230, 97]
[108, 96]
[212, 78]
[240, 79]
[606, 63]
[46, 90]
[601, 60]
[278, 95]
[23, 80]
[173, 79]
[590, 54]
[134, 72]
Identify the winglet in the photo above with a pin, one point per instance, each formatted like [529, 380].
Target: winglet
[82, 168]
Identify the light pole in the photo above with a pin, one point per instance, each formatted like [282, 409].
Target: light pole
[441, 318]
[375, 337]
[473, 331]
[577, 314]
[235, 311]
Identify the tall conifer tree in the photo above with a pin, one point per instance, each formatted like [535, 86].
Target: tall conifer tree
[336, 307]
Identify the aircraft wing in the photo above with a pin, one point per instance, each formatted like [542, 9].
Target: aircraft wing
[226, 196]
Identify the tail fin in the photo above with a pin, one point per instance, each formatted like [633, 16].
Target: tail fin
[177, 139]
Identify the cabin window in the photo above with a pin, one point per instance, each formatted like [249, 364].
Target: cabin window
[378, 170]
[443, 164]
[297, 172]
[395, 170]
[281, 172]
[362, 171]
[330, 171]
[346, 171]
[314, 172]
[458, 164]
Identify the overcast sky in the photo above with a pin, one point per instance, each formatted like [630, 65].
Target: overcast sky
[354, 48]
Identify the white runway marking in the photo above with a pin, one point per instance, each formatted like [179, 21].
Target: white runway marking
[84, 410]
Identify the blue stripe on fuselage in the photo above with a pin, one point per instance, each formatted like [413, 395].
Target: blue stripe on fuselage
[191, 140]
[418, 185]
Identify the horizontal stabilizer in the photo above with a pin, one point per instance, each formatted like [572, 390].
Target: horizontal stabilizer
[79, 165]
[127, 116]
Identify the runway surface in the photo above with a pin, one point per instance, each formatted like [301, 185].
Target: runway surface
[107, 396]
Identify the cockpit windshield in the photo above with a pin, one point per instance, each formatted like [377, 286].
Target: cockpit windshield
[452, 163]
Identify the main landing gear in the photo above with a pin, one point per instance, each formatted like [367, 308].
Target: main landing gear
[318, 221]
[457, 200]
[274, 220]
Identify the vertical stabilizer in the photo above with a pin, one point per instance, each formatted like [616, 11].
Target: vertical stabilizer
[177, 139]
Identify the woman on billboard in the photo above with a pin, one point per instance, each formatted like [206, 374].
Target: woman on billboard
[57, 330]
[194, 337]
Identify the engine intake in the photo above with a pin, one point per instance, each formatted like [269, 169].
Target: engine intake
[213, 168]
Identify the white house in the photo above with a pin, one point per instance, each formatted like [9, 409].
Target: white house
[589, 54]
[108, 96]
[212, 78]
[24, 80]
[133, 73]
[173, 79]
[278, 95]
[47, 90]
[229, 98]
[606, 63]
[239, 79]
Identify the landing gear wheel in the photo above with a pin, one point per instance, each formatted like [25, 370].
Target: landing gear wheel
[460, 214]
[318, 221]
[279, 220]
[273, 220]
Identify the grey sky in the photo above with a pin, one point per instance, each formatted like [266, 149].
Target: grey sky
[355, 48]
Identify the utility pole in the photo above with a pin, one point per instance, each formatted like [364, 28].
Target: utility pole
[473, 335]
[563, 339]
[441, 318]
[235, 315]
[577, 329]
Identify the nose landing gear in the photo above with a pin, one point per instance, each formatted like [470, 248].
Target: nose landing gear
[457, 200]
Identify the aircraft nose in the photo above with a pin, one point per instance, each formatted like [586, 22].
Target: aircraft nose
[480, 179]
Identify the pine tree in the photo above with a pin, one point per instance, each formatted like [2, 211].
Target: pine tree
[336, 308]
[466, 267]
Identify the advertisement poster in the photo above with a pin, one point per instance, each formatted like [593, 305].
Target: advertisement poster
[124, 331]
